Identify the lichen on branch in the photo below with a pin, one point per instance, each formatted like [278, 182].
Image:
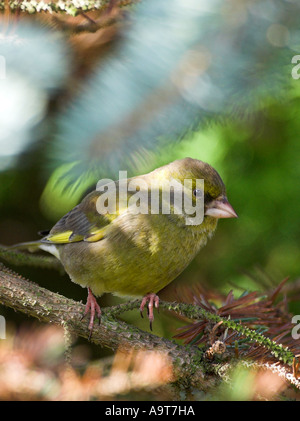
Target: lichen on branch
[69, 7]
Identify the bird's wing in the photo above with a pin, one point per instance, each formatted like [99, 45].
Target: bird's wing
[82, 223]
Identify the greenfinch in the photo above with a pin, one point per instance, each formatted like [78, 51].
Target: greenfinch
[117, 248]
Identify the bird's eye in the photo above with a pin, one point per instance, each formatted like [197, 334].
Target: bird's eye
[198, 193]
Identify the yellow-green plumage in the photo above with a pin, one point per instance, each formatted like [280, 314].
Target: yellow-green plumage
[140, 254]
[136, 254]
[129, 254]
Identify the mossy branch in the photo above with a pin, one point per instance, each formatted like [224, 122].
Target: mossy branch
[189, 363]
[188, 310]
[29, 298]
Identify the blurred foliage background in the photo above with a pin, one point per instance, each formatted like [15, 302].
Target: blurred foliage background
[207, 79]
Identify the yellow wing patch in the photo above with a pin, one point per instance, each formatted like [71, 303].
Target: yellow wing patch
[62, 237]
[95, 236]
[68, 237]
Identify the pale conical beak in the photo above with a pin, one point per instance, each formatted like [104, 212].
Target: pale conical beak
[221, 208]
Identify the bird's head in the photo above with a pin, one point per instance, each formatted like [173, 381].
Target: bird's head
[216, 204]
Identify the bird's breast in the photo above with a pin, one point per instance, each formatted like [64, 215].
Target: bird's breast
[140, 254]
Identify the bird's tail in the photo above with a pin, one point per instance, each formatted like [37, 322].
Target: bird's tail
[31, 246]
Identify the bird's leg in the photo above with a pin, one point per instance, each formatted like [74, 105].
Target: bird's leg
[92, 307]
[153, 301]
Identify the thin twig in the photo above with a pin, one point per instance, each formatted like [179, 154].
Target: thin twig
[195, 312]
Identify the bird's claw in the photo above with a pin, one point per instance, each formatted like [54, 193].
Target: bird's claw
[93, 308]
[153, 301]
